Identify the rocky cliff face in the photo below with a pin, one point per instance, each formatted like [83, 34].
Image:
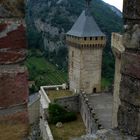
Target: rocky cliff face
[55, 17]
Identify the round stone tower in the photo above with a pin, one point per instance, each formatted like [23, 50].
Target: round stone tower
[86, 43]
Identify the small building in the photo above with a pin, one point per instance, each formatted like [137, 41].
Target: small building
[86, 42]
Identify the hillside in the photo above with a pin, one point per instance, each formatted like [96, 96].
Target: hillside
[49, 20]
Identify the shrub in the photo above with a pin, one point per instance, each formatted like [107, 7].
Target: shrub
[58, 114]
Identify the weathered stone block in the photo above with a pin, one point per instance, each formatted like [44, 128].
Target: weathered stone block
[12, 8]
[131, 37]
[129, 119]
[131, 64]
[12, 56]
[131, 9]
[12, 42]
[130, 90]
[13, 85]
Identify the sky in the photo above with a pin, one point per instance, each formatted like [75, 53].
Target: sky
[116, 3]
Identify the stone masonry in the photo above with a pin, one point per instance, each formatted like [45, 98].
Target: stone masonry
[129, 110]
[118, 49]
[13, 76]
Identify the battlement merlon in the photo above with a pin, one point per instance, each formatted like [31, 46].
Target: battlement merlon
[86, 41]
[117, 45]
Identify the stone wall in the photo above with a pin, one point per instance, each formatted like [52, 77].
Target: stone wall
[74, 69]
[13, 76]
[85, 68]
[80, 103]
[85, 62]
[91, 66]
[129, 110]
[70, 102]
[88, 114]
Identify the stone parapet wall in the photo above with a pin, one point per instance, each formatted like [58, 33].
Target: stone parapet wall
[89, 115]
[80, 103]
[116, 43]
[85, 69]
[118, 49]
[70, 102]
[88, 41]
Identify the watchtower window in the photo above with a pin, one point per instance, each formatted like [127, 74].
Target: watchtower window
[102, 38]
[90, 38]
[96, 38]
[85, 38]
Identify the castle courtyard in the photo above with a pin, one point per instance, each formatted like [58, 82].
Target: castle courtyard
[102, 103]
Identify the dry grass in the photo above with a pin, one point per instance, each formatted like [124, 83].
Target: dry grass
[53, 94]
[69, 130]
[12, 131]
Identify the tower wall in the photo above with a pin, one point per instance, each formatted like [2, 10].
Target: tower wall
[85, 68]
[91, 63]
[74, 68]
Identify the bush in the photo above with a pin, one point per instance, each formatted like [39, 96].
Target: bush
[58, 114]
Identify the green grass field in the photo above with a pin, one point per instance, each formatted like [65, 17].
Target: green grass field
[43, 72]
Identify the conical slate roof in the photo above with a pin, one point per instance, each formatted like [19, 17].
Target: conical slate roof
[85, 26]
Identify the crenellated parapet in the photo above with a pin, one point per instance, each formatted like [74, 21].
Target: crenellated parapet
[88, 113]
[86, 41]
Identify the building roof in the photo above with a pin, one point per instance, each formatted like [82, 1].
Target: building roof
[85, 26]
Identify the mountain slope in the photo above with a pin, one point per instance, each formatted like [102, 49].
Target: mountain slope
[49, 20]
[63, 13]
